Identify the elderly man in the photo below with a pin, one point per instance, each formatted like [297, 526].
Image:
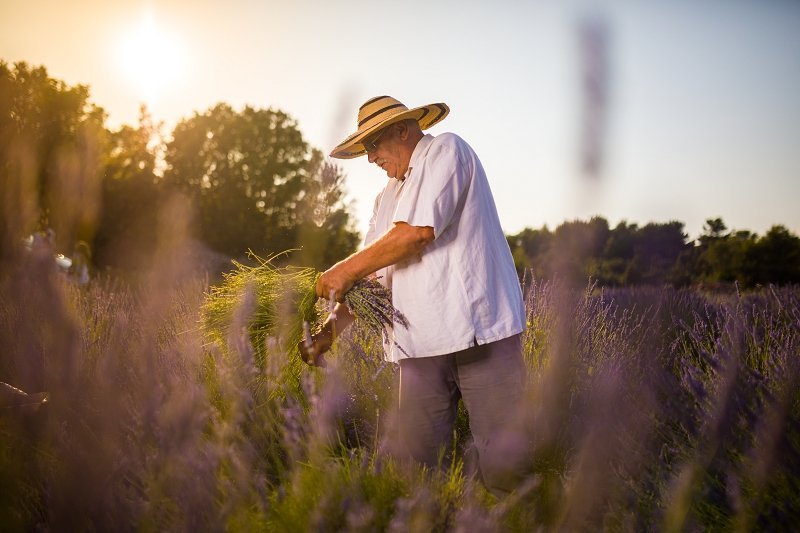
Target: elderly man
[435, 240]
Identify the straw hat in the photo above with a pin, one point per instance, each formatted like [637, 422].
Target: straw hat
[380, 112]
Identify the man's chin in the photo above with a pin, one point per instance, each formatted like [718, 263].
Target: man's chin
[390, 171]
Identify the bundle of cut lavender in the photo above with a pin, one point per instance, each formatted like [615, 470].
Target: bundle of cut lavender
[371, 304]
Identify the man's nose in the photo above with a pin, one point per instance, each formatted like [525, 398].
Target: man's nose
[371, 157]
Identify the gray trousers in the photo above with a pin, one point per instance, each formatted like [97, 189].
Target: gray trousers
[490, 379]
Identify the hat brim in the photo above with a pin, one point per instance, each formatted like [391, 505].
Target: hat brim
[426, 116]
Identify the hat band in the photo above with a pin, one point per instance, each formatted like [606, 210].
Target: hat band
[378, 112]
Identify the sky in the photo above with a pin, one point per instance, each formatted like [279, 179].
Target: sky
[693, 109]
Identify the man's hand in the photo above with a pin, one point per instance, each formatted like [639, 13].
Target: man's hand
[313, 347]
[337, 280]
[313, 352]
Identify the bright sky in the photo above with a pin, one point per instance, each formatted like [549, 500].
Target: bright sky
[702, 119]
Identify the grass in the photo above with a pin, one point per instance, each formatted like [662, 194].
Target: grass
[263, 313]
[647, 409]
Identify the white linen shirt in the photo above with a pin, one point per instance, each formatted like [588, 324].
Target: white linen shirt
[463, 287]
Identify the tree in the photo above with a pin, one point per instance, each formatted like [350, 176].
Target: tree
[615, 268]
[324, 231]
[575, 248]
[714, 228]
[131, 196]
[774, 258]
[657, 252]
[51, 144]
[257, 185]
[724, 259]
[528, 247]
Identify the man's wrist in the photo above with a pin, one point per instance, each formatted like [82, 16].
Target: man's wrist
[351, 267]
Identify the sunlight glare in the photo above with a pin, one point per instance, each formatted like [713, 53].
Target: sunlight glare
[150, 57]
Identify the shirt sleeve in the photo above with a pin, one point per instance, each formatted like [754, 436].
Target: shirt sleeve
[432, 195]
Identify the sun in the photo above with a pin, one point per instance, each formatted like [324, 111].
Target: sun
[150, 57]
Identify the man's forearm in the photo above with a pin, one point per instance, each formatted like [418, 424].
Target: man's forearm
[401, 242]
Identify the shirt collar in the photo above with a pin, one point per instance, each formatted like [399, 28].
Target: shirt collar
[419, 151]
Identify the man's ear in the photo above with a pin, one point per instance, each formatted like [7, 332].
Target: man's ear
[402, 130]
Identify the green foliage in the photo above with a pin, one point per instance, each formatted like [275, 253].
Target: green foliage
[725, 258]
[528, 245]
[257, 185]
[573, 244]
[578, 251]
[51, 142]
[265, 309]
[657, 254]
[253, 181]
[126, 234]
[775, 258]
[344, 494]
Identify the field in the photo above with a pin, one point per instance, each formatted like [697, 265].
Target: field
[647, 409]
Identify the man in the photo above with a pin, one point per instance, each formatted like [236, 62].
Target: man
[435, 240]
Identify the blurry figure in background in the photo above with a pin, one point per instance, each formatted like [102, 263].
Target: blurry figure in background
[42, 245]
[81, 257]
[43, 248]
[43, 241]
[435, 240]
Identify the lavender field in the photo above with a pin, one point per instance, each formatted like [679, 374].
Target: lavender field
[647, 409]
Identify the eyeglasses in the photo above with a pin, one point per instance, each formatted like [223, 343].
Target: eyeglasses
[372, 144]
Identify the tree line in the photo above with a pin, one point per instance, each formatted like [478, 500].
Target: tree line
[254, 184]
[251, 180]
[657, 254]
